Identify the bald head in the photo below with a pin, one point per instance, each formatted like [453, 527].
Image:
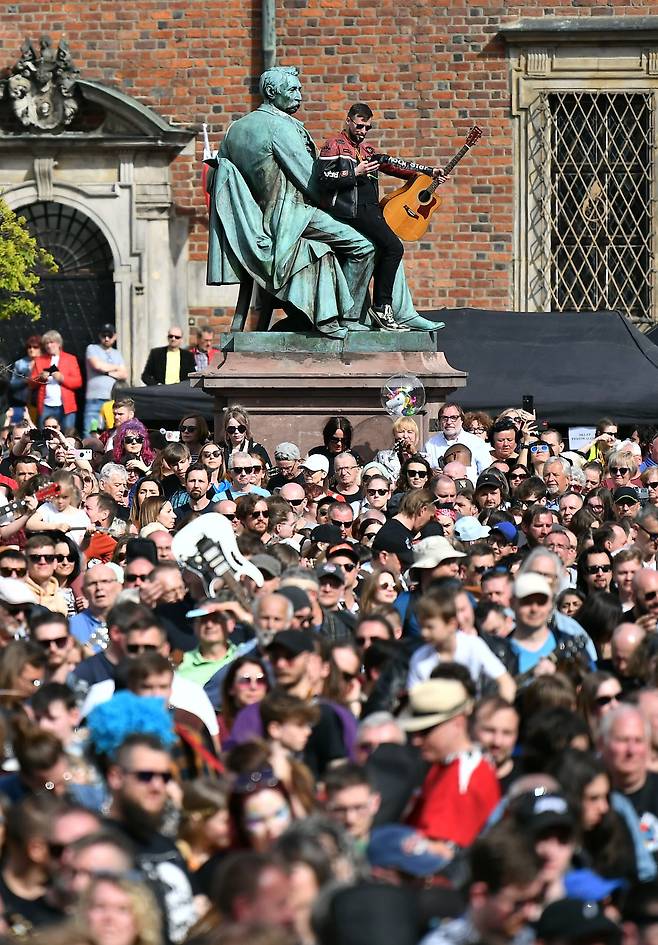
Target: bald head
[292, 490]
[625, 640]
[455, 470]
[645, 591]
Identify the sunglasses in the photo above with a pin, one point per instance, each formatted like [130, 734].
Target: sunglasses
[599, 568]
[417, 473]
[146, 777]
[595, 507]
[294, 502]
[174, 337]
[539, 448]
[107, 334]
[259, 514]
[34, 558]
[606, 700]
[211, 454]
[349, 677]
[61, 559]
[370, 535]
[339, 524]
[133, 439]
[247, 470]
[58, 642]
[653, 536]
[619, 470]
[8, 571]
[229, 515]
[377, 492]
[240, 428]
[386, 586]
[518, 475]
[347, 567]
[136, 649]
[188, 428]
[360, 126]
[133, 578]
[260, 680]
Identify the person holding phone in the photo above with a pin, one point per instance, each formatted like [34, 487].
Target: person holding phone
[55, 377]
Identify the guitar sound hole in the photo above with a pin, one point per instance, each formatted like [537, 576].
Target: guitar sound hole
[424, 196]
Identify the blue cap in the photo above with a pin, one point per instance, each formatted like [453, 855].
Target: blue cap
[588, 885]
[397, 847]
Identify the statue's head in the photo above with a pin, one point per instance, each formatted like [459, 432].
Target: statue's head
[280, 86]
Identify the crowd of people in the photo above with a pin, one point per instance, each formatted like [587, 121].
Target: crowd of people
[254, 696]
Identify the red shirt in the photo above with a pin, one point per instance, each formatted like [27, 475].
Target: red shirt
[456, 799]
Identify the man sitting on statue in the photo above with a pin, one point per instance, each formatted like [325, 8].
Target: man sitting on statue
[347, 172]
[266, 223]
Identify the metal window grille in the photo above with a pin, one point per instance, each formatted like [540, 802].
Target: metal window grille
[76, 243]
[591, 203]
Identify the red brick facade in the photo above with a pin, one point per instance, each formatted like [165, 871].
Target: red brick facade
[430, 71]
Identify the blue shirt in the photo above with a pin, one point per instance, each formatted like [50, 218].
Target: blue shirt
[528, 659]
[84, 625]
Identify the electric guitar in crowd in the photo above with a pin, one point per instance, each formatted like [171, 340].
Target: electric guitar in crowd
[408, 211]
[13, 510]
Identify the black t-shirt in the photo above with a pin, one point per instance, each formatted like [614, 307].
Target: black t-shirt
[94, 669]
[277, 481]
[645, 802]
[159, 859]
[327, 741]
[23, 914]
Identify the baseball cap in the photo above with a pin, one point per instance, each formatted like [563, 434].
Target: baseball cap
[396, 538]
[433, 702]
[326, 533]
[344, 548]
[294, 641]
[539, 812]
[330, 570]
[267, 564]
[469, 528]
[15, 592]
[108, 327]
[509, 532]
[489, 480]
[297, 597]
[572, 920]
[588, 885]
[430, 552]
[287, 451]
[531, 583]
[625, 492]
[396, 847]
[315, 463]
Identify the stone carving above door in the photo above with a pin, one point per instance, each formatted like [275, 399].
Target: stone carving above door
[42, 86]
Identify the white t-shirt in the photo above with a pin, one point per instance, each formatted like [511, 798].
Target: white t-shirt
[77, 520]
[471, 651]
[480, 451]
[53, 396]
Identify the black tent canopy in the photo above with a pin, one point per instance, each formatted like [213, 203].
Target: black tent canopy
[579, 366]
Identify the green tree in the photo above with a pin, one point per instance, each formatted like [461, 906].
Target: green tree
[21, 260]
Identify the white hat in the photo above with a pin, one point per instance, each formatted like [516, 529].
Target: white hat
[430, 552]
[16, 592]
[379, 469]
[531, 583]
[433, 702]
[469, 528]
[316, 463]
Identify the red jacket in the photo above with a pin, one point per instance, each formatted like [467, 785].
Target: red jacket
[72, 379]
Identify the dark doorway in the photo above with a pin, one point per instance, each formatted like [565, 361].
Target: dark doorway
[79, 298]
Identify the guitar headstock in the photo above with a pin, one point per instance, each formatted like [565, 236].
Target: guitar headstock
[473, 136]
[47, 492]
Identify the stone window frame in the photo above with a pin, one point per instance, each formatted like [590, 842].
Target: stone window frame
[588, 54]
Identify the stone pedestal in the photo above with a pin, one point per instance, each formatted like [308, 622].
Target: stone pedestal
[291, 383]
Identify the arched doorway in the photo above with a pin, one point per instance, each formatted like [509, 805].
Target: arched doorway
[79, 298]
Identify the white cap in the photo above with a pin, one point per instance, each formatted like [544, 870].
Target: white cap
[531, 583]
[316, 463]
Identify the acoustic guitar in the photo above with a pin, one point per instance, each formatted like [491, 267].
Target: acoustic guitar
[408, 211]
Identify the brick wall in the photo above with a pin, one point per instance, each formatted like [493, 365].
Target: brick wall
[429, 71]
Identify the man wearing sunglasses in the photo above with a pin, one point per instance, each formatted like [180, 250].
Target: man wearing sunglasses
[138, 781]
[51, 631]
[169, 364]
[348, 169]
[40, 578]
[105, 366]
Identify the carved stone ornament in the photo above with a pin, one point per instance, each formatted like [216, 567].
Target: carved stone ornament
[41, 86]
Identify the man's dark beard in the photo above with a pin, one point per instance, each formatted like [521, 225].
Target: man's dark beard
[140, 823]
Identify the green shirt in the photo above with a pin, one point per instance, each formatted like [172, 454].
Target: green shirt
[198, 669]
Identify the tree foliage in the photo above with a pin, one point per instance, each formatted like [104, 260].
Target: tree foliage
[21, 258]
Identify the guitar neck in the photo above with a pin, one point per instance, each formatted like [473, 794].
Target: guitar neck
[451, 165]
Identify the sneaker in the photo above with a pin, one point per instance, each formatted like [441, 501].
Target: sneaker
[384, 318]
